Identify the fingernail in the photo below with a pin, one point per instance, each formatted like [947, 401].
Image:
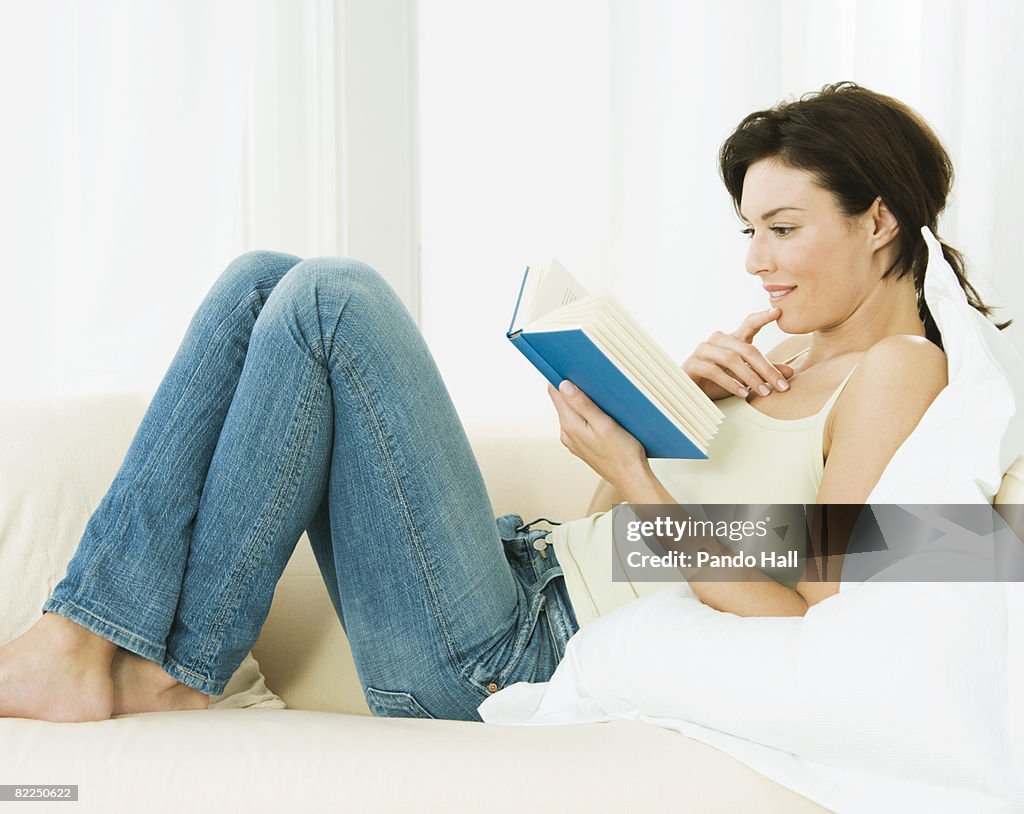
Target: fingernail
[567, 387]
[783, 384]
[764, 390]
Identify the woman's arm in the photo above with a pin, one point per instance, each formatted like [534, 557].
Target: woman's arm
[894, 384]
[605, 497]
[756, 595]
[614, 454]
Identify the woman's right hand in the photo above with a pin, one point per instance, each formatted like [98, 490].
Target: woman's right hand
[729, 365]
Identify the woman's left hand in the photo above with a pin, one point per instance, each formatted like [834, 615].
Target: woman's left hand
[595, 437]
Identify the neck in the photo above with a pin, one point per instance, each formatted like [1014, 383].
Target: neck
[889, 310]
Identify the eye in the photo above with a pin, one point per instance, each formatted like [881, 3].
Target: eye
[780, 231]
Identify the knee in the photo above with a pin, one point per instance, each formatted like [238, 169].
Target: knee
[257, 271]
[335, 277]
[322, 295]
[325, 287]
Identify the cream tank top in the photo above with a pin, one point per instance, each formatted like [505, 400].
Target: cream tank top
[754, 458]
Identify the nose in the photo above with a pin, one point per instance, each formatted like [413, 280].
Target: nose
[759, 255]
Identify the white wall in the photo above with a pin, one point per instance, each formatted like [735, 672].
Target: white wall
[112, 168]
[145, 145]
[515, 141]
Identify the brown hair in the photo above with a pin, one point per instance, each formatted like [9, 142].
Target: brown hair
[860, 145]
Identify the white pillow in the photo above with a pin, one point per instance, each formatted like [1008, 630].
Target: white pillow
[843, 706]
[972, 432]
[57, 459]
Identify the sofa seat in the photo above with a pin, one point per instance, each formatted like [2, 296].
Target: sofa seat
[276, 761]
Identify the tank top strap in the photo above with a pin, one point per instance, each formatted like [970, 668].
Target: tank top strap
[791, 358]
[835, 394]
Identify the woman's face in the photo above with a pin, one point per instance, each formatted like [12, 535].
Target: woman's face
[801, 241]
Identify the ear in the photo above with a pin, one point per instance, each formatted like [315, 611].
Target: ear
[884, 225]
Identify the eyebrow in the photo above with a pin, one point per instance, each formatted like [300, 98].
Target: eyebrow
[775, 211]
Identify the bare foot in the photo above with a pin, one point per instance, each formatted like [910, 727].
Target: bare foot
[141, 685]
[57, 670]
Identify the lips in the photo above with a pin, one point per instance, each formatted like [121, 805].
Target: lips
[779, 292]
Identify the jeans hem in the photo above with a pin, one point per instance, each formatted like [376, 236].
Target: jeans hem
[105, 629]
[191, 679]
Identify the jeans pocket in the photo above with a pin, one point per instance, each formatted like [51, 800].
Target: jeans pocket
[389, 704]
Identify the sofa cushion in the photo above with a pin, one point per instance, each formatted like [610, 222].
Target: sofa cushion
[57, 460]
[292, 760]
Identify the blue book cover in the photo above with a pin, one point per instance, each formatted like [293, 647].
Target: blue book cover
[570, 354]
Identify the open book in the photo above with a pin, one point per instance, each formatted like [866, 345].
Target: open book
[591, 340]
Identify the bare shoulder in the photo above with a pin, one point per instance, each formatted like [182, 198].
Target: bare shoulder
[894, 383]
[905, 365]
[898, 376]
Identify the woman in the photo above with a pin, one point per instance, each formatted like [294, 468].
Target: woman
[303, 397]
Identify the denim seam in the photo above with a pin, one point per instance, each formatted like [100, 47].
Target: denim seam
[555, 615]
[538, 603]
[551, 623]
[264, 526]
[149, 466]
[377, 427]
[243, 569]
[558, 621]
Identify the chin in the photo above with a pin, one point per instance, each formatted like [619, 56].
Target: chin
[792, 324]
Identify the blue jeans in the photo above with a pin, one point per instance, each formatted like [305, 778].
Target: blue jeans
[303, 397]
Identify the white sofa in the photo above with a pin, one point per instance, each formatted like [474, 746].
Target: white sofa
[323, 752]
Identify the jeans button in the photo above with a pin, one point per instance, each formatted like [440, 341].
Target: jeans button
[492, 687]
